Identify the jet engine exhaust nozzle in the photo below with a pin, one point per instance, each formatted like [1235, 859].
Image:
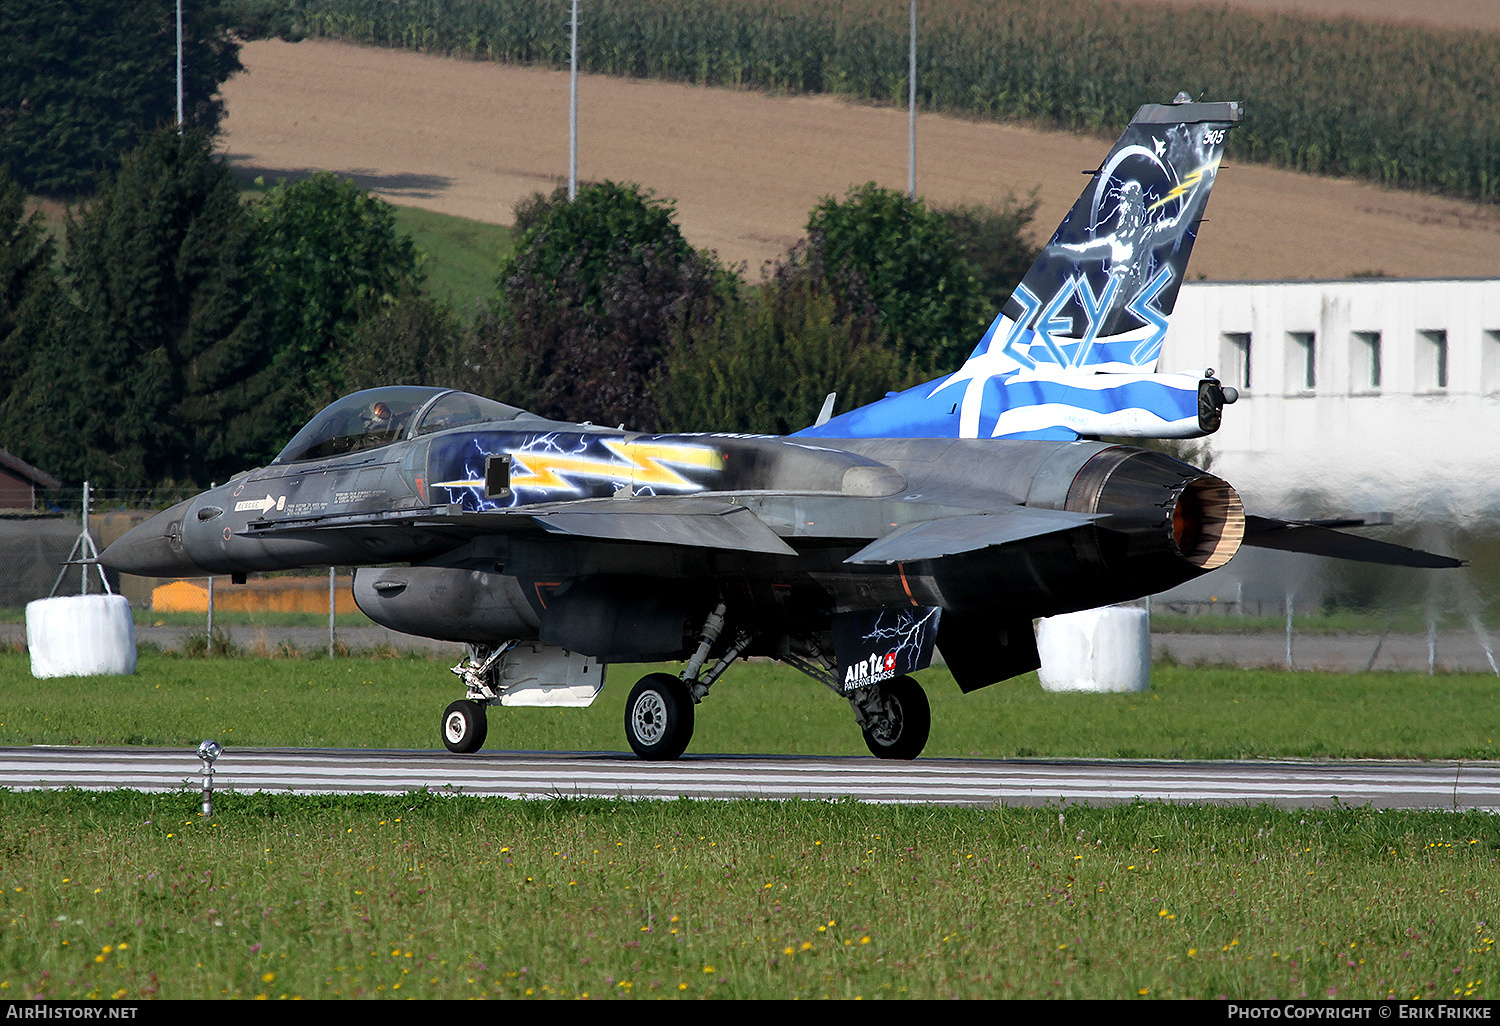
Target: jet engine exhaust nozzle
[1208, 522]
[1160, 507]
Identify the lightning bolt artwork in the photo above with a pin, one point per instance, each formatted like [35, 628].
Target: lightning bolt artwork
[571, 465]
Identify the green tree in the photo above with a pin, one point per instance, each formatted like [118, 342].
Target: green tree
[28, 287]
[161, 371]
[83, 81]
[929, 299]
[411, 341]
[590, 300]
[769, 359]
[996, 242]
[329, 255]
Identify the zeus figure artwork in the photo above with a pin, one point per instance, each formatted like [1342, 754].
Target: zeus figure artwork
[951, 514]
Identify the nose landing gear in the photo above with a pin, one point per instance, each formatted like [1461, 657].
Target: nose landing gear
[464, 727]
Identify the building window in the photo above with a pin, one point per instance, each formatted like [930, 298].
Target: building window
[1489, 362]
[1432, 361]
[1234, 359]
[1301, 361]
[1364, 361]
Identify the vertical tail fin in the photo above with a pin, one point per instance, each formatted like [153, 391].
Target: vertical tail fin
[1073, 347]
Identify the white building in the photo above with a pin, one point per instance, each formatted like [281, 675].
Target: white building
[1373, 394]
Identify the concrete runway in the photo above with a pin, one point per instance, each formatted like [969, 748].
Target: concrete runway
[1012, 782]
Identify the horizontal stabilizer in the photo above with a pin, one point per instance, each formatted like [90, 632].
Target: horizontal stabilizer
[1312, 538]
[691, 523]
[934, 539]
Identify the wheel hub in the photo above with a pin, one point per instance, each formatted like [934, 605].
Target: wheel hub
[887, 727]
[455, 727]
[649, 718]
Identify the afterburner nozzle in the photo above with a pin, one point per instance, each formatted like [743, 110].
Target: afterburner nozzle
[1160, 507]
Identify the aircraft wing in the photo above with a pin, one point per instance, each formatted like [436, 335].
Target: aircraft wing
[1314, 538]
[693, 523]
[686, 522]
[933, 539]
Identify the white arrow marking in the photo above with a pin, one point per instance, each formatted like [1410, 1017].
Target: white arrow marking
[257, 504]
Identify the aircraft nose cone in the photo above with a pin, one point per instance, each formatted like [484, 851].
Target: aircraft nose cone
[153, 549]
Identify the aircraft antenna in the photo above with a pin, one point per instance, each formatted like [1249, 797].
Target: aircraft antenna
[826, 413]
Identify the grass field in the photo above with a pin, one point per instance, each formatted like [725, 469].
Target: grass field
[1189, 713]
[463, 256]
[123, 895]
[134, 896]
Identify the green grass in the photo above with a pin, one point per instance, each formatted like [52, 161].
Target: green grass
[463, 256]
[1189, 713]
[132, 896]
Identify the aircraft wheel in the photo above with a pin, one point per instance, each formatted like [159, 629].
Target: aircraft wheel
[659, 717]
[464, 726]
[902, 732]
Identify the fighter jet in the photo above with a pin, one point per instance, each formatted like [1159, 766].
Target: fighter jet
[951, 515]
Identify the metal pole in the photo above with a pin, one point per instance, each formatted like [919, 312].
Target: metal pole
[911, 104]
[83, 580]
[330, 612]
[1289, 600]
[179, 67]
[212, 485]
[1431, 642]
[573, 113]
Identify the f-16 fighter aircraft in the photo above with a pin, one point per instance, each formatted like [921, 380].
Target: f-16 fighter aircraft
[953, 513]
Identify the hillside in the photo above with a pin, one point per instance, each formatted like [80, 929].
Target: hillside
[471, 138]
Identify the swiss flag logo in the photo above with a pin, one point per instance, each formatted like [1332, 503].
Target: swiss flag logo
[890, 660]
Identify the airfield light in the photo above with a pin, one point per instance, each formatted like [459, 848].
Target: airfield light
[208, 751]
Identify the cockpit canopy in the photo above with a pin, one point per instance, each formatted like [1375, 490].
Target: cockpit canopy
[380, 416]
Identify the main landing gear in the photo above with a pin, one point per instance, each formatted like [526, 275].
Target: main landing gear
[659, 717]
[893, 715]
[895, 718]
[659, 712]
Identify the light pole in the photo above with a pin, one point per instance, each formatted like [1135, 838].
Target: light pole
[911, 104]
[179, 67]
[573, 113]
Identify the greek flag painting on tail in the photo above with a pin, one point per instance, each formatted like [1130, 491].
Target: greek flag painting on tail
[1074, 349]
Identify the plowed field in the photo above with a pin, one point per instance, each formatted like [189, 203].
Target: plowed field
[471, 138]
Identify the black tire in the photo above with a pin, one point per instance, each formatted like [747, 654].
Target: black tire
[659, 717]
[464, 727]
[904, 735]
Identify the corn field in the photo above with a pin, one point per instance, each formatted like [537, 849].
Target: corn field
[1402, 106]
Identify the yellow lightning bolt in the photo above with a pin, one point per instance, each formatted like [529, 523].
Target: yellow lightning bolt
[551, 470]
[648, 462]
[643, 464]
[1185, 186]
